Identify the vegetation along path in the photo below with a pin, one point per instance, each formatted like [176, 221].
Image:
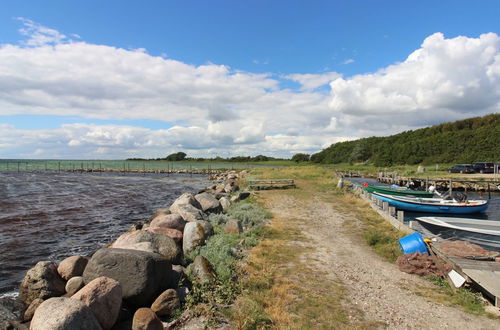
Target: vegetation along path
[329, 277]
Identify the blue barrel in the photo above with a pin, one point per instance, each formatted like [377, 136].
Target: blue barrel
[413, 243]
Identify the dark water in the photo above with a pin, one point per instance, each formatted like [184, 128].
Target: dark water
[50, 216]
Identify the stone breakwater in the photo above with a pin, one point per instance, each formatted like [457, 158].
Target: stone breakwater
[133, 283]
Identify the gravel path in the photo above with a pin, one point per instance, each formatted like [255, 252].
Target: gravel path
[374, 286]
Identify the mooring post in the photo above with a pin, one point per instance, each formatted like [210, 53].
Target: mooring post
[401, 216]
[489, 191]
[392, 211]
[385, 206]
[59, 166]
[18, 166]
[451, 187]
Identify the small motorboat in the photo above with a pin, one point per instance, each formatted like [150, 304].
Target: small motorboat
[397, 191]
[433, 205]
[487, 227]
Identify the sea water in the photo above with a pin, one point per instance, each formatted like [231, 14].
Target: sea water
[51, 216]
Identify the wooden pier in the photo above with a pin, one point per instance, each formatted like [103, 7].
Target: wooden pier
[268, 184]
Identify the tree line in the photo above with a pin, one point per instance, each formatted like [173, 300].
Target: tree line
[464, 141]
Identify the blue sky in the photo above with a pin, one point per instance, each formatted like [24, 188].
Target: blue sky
[106, 79]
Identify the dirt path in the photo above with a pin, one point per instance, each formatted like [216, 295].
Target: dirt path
[374, 286]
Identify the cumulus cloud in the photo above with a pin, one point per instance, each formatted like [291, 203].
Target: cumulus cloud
[446, 79]
[218, 110]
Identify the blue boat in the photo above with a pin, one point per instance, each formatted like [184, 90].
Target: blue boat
[433, 205]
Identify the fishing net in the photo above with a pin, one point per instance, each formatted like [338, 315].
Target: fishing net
[422, 264]
[463, 249]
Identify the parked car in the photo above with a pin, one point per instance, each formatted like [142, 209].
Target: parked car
[461, 168]
[483, 167]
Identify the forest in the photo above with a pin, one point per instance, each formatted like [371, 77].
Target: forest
[465, 141]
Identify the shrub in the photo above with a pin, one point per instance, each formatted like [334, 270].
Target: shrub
[249, 214]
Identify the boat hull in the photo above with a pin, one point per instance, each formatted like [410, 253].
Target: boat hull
[398, 192]
[417, 206]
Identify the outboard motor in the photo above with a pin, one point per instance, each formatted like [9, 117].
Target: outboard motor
[459, 197]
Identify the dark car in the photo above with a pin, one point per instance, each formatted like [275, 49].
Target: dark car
[483, 167]
[461, 168]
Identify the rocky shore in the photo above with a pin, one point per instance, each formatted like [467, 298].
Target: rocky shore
[137, 281]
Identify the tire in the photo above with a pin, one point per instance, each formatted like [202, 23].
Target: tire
[449, 171]
[481, 171]
[461, 172]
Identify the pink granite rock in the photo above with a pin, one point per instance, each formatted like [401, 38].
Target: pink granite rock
[175, 234]
[104, 297]
[146, 319]
[72, 266]
[173, 221]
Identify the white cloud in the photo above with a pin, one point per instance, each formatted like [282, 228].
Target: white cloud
[348, 61]
[217, 110]
[445, 78]
[312, 81]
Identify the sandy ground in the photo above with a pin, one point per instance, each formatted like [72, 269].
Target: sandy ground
[374, 286]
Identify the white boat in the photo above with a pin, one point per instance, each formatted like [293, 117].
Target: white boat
[487, 227]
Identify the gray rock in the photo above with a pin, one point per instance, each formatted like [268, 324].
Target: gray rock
[158, 213]
[202, 270]
[225, 203]
[208, 203]
[194, 236]
[189, 212]
[231, 187]
[10, 309]
[166, 303]
[64, 314]
[185, 199]
[233, 226]
[74, 284]
[159, 243]
[42, 281]
[172, 221]
[207, 228]
[142, 275]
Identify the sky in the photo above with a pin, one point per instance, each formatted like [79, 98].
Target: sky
[118, 79]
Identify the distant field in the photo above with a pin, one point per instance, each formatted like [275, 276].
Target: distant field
[129, 165]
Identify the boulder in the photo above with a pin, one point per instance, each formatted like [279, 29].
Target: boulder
[146, 319]
[30, 311]
[233, 226]
[208, 203]
[174, 234]
[74, 284]
[104, 297]
[42, 281]
[158, 213]
[231, 187]
[220, 189]
[194, 236]
[185, 199]
[159, 243]
[201, 269]
[166, 303]
[207, 228]
[172, 221]
[72, 266]
[142, 275]
[64, 314]
[243, 195]
[10, 309]
[189, 212]
[225, 203]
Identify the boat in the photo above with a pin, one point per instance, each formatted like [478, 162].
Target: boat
[433, 205]
[485, 233]
[487, 227]
[399, 191]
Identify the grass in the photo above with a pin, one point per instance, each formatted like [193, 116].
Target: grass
[443, 293]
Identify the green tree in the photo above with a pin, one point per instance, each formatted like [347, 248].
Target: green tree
[176, 156]
[300, 158]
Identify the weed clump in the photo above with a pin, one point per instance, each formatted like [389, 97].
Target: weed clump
[250, 214]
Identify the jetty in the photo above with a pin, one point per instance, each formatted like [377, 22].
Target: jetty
[268, 184]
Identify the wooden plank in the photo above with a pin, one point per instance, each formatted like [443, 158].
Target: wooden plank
[490, 281]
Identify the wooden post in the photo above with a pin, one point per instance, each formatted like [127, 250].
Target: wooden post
[59, 167]
[18, 166]
[489, 191]
[451, 188]
[385, 206]
[401, 215]
[392, 211]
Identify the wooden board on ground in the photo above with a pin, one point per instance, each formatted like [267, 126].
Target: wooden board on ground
[271, 184]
